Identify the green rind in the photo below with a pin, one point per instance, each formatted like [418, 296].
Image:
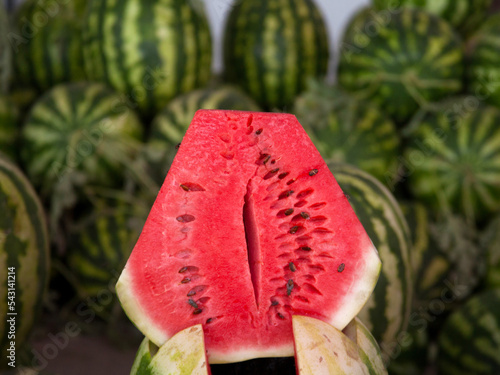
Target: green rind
[400, 61]
[463, 15]
[491, 245]
[150, 51]
[5, 51]
[469, 342]
[271, 48]
[170, 125]
[79, 129]
[483, 71]
[387, 312]
[48, 44]
[454, 154]
[345, 129]
[9, 131]
[23, 245]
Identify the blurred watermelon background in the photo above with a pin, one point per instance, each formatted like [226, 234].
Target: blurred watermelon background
[402, 98]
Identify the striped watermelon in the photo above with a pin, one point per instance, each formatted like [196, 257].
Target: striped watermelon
[387, 311]
[483, 73]
[452, 155]
[400, 61]
[464, 15]
[151, 51]
[271, 48]
[100, 246]
[469, 342]
[5, 51]
[23, 245]
[47, 43]
[491, 243]
[170, 125]
[8, 127]
[345, 129]
[82, 133]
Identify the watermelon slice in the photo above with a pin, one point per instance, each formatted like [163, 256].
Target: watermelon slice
[249, 228]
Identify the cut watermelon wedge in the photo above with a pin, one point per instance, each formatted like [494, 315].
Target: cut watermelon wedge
[249, 228]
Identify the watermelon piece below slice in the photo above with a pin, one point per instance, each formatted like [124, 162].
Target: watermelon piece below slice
[249, 228]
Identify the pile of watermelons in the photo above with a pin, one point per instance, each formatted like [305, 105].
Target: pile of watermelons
[96, 96]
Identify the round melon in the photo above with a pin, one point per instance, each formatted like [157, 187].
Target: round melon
[272, 47]
[464, 15]
[387, 312]
[8, 127]
[5, 51]
[483, 71]
[24, 258]
[100, 245]
[170, 125]
[81, 133]
[490, 241]
[400, 61]
[48, 44]
[150, 51]
[469, 342]
[345, 129]
[452, 157]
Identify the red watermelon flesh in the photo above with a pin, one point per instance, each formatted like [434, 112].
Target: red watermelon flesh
[249, 228]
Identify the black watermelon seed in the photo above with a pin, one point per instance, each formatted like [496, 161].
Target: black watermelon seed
[185, 280]
[275, 303]
[266, 159]
[258, 132]
[283, 175]
[289, 287]
[313, 172]
[184, 187]
[306, 248]
[197, 311]
[192, 303]
[285, 194]
[305, 215]
[289, 182]
[294, 229]
[183, 269]
[341, 267]
[209, 320]
[289, 212]
[279, 315]
[292, 267]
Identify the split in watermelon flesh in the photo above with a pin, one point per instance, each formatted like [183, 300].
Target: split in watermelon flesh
[249, 228]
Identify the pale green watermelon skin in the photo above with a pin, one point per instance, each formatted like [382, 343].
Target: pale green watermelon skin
[54, 54]
[453, 149]
[80, 129]
[412, 59]
[469, 342]
[271, 48]
[150, 51]
[170, 125]
[347, 130]
[464, 15]
[24, 245]
[387, 312]
[483, 72]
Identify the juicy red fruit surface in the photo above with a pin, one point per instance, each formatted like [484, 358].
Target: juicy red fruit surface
[249, 228]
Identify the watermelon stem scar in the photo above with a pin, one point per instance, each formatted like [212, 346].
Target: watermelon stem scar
[249, 228]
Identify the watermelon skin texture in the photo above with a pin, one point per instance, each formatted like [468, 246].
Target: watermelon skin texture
[387, 312]
[9, 132]
[54, 54]
[463, 15]
[79, 129]
[191, 263]
[5, 52]
[412, 59]
[483, 72]
[469, 342]
[150, 51]
[490, 241]
[24, 245]
[272, 47]
[453, 153]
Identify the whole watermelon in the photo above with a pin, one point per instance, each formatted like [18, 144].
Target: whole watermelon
[5, 51]
[469, 342]
[387, 312]
[170, 125]
[48, 44]
[271, 48]
[483, 73]
[452, 157]
[79, 133]
[150, 51]
[345, 129]
[491, 244]
[24, 258]
[401, 62]
[8, 127]
[464, 15]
